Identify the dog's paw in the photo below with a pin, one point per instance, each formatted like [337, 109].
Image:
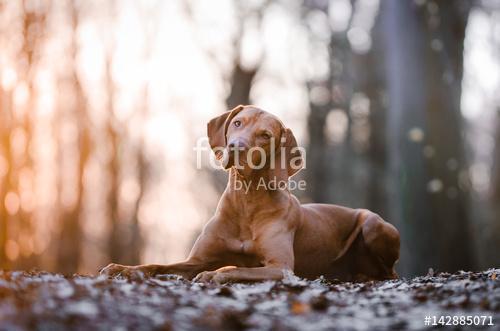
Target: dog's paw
[118, 270]
[218, 277]
[204, 277]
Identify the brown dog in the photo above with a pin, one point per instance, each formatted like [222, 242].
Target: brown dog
[263, 232]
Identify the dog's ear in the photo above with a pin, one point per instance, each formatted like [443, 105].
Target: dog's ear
[216, 130]
[293, 156]
[289, 159]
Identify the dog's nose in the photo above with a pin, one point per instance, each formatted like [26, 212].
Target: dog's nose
[238, 145]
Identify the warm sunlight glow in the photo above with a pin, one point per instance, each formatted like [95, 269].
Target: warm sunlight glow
[102, 102]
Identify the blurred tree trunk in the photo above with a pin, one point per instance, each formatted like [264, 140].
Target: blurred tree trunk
[318, 174]
[493, 244]
[242, 77]
[136, 239]
[369, 79]
[334, 165]
[241, 84]
[132, 240]
[377, 153]
[424, 71]
[19, 175]
[69, 245]
[134, 249]
[115, 242]
[33, 30]
[6, 123]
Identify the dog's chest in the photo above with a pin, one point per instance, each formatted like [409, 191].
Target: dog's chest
[243, 236]
[241, 246]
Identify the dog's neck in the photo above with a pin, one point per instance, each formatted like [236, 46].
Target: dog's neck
[254, 190]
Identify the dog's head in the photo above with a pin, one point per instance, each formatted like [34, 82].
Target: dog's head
[249, 139]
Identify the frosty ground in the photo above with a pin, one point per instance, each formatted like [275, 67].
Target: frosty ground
[44, 301]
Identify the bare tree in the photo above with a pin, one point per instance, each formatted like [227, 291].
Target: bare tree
[69, 244]
[33, 25]
[333, 165]
[6, 124]
[492, 244]
[243, 77]
[424, 70]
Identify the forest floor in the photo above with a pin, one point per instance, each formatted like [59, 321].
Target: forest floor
[44, 301]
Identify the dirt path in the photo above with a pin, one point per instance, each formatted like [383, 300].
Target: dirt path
[43, 301]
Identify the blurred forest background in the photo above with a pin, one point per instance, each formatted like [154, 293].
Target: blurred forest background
[101, 102]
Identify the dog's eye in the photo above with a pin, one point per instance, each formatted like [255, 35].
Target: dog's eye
[237, 124]
[266, 135]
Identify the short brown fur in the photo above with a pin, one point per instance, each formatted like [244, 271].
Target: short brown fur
[260, 234]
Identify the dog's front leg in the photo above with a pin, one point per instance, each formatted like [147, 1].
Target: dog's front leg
[237, 274]
[187, 269]
[204, 256]
[276, 245]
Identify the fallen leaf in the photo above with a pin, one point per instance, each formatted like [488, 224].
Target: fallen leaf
[299, 308]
